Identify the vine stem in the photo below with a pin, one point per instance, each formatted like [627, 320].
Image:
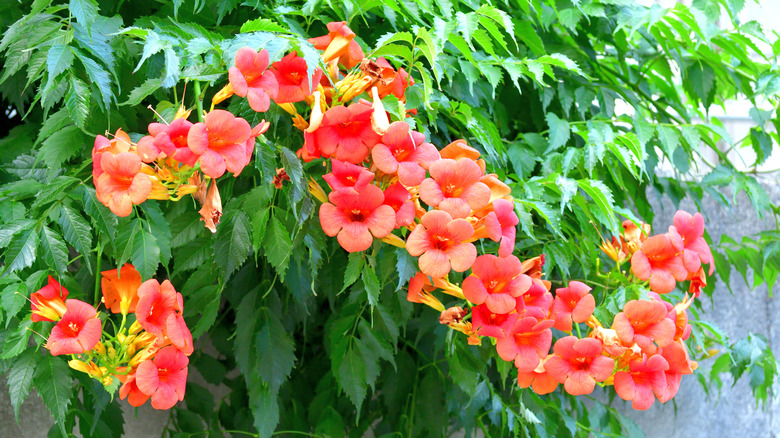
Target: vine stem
[97, 273]
[198, 100]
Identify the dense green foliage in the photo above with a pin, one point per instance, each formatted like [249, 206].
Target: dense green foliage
[577, 104]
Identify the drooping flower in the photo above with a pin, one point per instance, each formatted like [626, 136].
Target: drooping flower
[293, 79]
[77, 332]
[698, 282]
[131, 392]
[501, 226]
[440, 242]
[170, 140]
[156, 302]
[220, 142]
[354, 216]
[454, 187]
[460, 149]
[405, 152]
[211, 211]
[696, 251]
[120, 143]
[122, 184]
[676, 355]
[249, 146]
[644, 378]
[399, 198]
[48, 303]
[535, 301]
[578, 364]
[250, 78]
[339, 43]
[527, 343]
[346, 133]
[120, 289]
[659, 261]
[644, 322]
[497, 282]
[420, 288]
[392, 82]
[573, 303]
[164, 378]
[495, 325]
[539, 380]
[347, 175]
[176, 328]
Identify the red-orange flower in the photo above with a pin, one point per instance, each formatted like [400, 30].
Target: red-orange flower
[392, 82]
[122, 184]
[578, 364]
[164, 378]
[339, 43]
[696, 251]
[347, 175]
[120, 143]
[354, 216]
[120, 289]
[501, 226]
[495, 325]
[454, 187]
[77, 332]
[497, 282]
[251, 79]
[156, 302]
[399, 198]
[405, 152]
[676, 355]
[644, 322]
[659, 261]
[573, 303]
[293, 79]
[220, 142]
[130, 391]
[48, 303]
[527, 343]
[538, 379]
[170, 140]
[643, 379]
[440, 242]
[345, 133]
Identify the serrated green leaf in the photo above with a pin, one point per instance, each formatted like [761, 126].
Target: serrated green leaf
[100, 214]
[669, 138]
[233, 243]
[406, 266]
[85, 11]
[146, 254]
[77, 101]
[21, 251]
[278, 246]
[62, 145]
[262, 24]
[98, 76]
[58, 59]
[77, 232]
[55, 252]
[55, 386]
[526, 32]
[351, 376]
[276, 364]
[20, 378]
[559, 132]
[140, 92]
[602, 196]
[13, 298]
[371, 283]
[265, 409]
[292, 164]
[354, 266]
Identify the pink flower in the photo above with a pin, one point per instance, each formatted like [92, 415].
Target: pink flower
[659, 261]
[578, 364]
[77, 332]
[347, 175]
[643, 379]
[527, 343]
[164, 378]
[440, 242]
[644, 322]
[399, 198]
[573, 303]
[345, 133]
[405, 152]
[497, 282]
[454, 187]
[538, 379]
[495, 325]
[156, 302]
[696, 251]
[251, 79]
[354, 216]
[501, 226]
[170, 140]
[220, 142]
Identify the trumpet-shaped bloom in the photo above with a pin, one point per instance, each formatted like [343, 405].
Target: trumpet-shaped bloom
[346, 133]
[440, 242]
[220, 142]
[696, 252]
[497, 282]
[164, 378]
[339, 43]
[120, 289]
[250, 78]
[156, 302]
[399, 198]
[495, 325]
[293, 79]
[354, 216]
[676, 355]
[644, 322]
[659, 261]
[78, 331]
[527, 343]
[170, 140]
[454, 187]
[643, 379]
[501, 226]
[535, 301]
[405, 152]
[347, 175]
[573, 303]
[48, 303]
[539, 379]
[578, 364]
[120, 143]
[391, 81]
[130, 391]
[122, 185]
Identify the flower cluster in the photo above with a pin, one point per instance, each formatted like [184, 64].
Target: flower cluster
[149, 357]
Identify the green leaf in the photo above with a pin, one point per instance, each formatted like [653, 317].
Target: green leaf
[559, 132]
[140, 92]
[77, 101]
[21, 251]
[292, 164]
[85, 11]
[233, 243]
[354, 266]
[55, 385]
[105, 220]
[351, 375]
[278, 246]
[371, 282]
[467, 24]
[670, 140]
[55, 252]
[98, 76]
[262, 24]
[13, 298]
[146, 254]
[602, 196]
[405, 265]
[265, 410]
[62, 145]
[77, 232]
[274, 366]
[526, 32]
[58, 60]
[20, 378]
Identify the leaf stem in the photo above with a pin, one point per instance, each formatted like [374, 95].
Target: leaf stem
[198, 100]
[97, 272]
